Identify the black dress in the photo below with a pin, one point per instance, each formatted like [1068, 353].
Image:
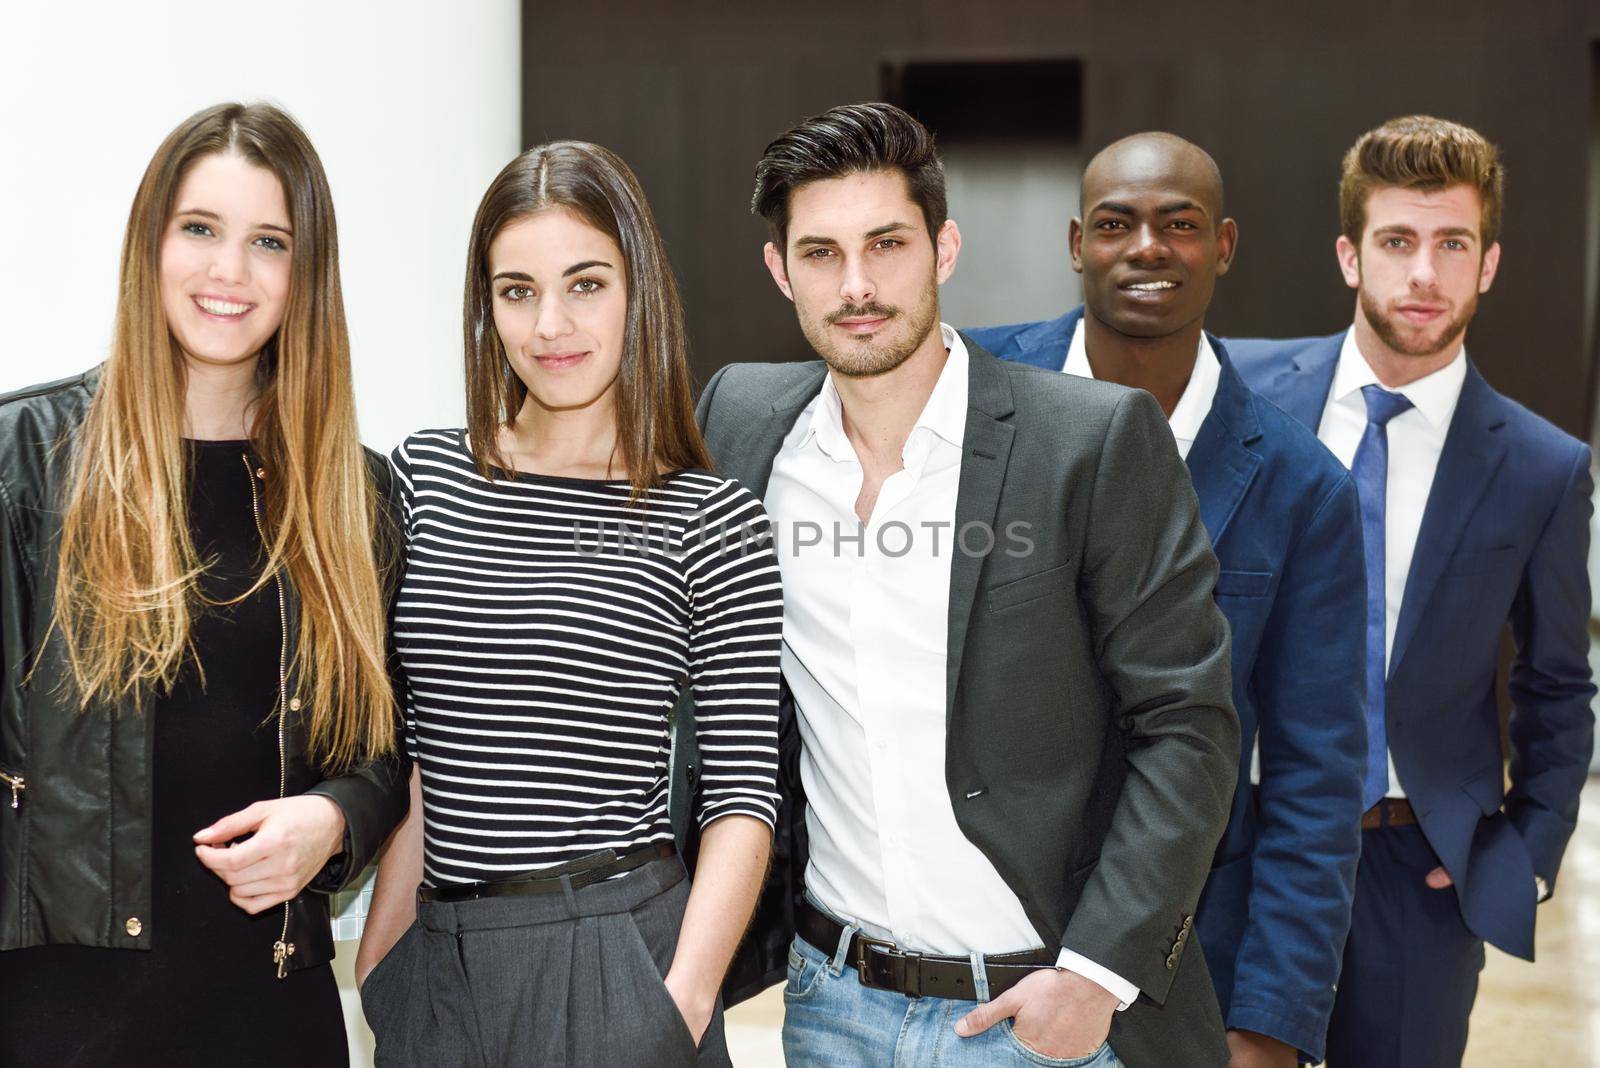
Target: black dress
[207, 992]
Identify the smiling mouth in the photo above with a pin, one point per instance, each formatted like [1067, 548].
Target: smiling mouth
[1147, 289]
[560, 361]
[225, 310]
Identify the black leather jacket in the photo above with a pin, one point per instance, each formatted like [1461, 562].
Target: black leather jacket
[75, 792]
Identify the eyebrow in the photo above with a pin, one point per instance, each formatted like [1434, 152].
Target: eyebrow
[1170, 208]
[876, 231]
[1402, 230]
[214, 217]
[584, 266]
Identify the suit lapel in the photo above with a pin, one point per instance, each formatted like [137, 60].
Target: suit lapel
[1472, 452]
[751, 462]
[985, 452]
[1221, 464]
[1302, 391]
[1045, 344]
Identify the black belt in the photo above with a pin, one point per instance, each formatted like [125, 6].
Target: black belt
[577, 874]
[882, 965]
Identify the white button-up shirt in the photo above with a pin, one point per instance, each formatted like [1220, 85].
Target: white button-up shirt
[866, 618]
[1198, 395]
[1416, 438]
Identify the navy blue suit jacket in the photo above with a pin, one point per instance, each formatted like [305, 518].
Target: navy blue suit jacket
[1504, 538]
[1285, 523]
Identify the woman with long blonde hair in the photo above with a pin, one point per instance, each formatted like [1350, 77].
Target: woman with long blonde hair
[196, 713]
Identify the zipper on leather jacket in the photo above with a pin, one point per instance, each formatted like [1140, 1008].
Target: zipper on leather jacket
[282, 949]
[17, 784]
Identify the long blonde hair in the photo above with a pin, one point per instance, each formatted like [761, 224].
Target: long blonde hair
[128, 571]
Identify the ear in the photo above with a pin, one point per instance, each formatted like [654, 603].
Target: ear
[1349, 261]
[1075, 243]
[777, 268]
[946, 248]
[1489, 267]
[1227, 245]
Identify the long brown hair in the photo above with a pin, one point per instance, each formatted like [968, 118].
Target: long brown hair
[655, 407]
[127, 588]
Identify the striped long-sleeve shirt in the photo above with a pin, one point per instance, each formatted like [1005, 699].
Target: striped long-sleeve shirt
[546, 627]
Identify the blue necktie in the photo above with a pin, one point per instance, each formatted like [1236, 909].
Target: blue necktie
[1371, 473]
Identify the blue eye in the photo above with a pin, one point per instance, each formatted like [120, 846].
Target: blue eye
[587, 285]
[272, 244]
[516, 293]
[197, 229]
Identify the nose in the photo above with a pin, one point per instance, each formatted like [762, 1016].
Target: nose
[553, 320]
[1424, 271]
[230, 264]
[1147, 247]
[857, 286]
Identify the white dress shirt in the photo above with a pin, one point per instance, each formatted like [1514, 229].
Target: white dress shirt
[1198, 395]
[866, 617]
[1416, 438]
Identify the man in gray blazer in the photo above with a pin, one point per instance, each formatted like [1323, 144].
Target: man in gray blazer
[1001, 654]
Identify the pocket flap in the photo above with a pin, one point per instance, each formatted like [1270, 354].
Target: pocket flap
[1029, 587]
[1486, 786]
[1244, 583]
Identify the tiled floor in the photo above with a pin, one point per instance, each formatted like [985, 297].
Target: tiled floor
[1546, 1013]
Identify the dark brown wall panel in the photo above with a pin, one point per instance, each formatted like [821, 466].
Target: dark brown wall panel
[690, 92]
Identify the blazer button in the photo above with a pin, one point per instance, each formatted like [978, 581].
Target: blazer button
[1188, 922]
[134, 926]
[1172, 961]
[294, 704]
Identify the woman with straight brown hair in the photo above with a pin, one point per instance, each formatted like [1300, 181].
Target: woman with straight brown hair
[197, 724]
[572, 565]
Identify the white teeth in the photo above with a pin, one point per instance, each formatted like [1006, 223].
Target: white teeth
[222, 307]
[1147, 287]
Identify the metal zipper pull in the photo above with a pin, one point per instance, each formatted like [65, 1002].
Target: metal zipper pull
[281, 952]
[17, 784]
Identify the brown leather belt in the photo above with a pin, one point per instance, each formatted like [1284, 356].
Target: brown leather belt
[1390, 812]
[577, 874]
[883, 966]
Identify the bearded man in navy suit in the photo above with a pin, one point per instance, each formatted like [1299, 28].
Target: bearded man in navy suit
[1475, 515]
[1284, 520]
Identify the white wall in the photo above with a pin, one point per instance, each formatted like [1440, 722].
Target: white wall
[413, 107]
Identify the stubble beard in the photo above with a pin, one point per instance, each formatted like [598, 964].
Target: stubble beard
[1409, 341]
[892, 345]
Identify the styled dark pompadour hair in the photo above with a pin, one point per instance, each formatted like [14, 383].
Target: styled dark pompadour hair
[851, 139]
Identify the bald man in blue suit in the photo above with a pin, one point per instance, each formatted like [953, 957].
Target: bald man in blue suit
[1284, 520]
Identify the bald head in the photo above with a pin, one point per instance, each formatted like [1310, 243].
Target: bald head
[1155, 158]
[1151, 240]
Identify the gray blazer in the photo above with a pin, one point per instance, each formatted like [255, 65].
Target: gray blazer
[1093, 745]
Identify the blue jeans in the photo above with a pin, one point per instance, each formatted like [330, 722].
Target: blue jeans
[831, 1021]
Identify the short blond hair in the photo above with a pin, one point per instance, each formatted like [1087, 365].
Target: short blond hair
[1421, 152]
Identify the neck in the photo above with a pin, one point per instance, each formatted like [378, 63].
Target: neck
[218, 399]
[1161, 366]
[577, 442]
[1396, 369]
[880, 411]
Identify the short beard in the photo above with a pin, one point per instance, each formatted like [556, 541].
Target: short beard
[868, 358]
[1420, 346]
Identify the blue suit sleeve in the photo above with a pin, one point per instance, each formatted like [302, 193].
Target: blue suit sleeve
[1552, 723]
[1309, 682]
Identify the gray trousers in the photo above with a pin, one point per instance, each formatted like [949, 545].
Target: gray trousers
[560, 980]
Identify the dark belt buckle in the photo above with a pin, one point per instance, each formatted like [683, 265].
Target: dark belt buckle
[864, 970]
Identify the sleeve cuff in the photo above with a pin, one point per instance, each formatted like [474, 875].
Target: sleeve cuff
[1125, 992]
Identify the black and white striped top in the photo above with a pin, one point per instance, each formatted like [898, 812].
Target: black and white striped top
[546, 628]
